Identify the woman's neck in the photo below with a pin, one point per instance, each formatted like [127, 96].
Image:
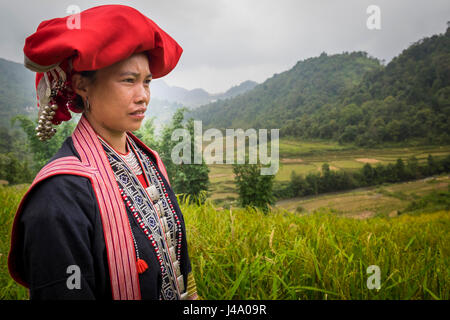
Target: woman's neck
[116, 139]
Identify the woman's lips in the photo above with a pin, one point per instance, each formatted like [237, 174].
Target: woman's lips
[139, 114]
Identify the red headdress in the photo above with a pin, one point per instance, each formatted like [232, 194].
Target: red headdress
[105, 35]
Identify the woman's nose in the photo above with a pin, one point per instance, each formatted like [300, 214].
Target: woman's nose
[143, 94]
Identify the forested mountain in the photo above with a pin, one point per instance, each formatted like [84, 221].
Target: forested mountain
[17, 93]
[237, 90]
[409, 99]
[302, 89]
[351, 98]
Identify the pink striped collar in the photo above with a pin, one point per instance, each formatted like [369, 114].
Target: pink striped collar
[116, 229]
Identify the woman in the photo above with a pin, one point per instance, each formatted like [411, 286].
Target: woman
[100, 220]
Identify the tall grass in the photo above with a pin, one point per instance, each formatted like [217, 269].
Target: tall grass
[9, 200]
[245, 254]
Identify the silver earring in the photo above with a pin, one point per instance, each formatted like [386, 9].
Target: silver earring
[88, 105]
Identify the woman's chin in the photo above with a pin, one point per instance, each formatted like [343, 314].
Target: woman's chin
[134, 126]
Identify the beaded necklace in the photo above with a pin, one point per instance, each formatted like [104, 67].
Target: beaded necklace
[132, 161]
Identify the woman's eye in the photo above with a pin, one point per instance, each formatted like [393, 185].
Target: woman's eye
[148, 81]
[129, 80]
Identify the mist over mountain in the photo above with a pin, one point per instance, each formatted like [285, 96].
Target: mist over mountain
[17, 91]
[195, 97]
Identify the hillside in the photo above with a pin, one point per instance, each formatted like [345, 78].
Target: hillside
[236, 90]
[350, 97]
[302, 89]
[17, 93]
[409, 99]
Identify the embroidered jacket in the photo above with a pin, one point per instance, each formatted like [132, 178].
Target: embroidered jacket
[80, 219]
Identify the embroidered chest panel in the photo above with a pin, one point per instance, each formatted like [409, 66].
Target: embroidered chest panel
[154, 213]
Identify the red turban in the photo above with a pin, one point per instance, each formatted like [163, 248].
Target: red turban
[106, 35]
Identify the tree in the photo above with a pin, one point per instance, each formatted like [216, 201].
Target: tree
[349, 134]
[166, 144]
[254, 189]
[312, 179]
[5, 140]
[186, 178]
[400, 170]
[14, 170]
[297, 185]
[147, 133]
[192, 179]
[43, 150]
[412, 168]
[326, 180]
[368, 174]
[432, 166]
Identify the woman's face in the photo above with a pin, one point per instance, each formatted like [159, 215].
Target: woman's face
[120, 94]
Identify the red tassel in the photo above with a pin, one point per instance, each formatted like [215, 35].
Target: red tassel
[141, 266]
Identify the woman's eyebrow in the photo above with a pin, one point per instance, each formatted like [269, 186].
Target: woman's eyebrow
[134, 74]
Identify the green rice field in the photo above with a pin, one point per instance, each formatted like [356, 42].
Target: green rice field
[305, 157]
[313, 247]
[242, 253]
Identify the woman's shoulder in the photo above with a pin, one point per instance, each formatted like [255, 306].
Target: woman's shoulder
[62, 196]
[72, 185]
[62, 187]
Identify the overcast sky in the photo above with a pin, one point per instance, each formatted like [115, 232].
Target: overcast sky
[226, 42]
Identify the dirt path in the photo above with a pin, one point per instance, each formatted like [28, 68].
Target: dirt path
[367, 160]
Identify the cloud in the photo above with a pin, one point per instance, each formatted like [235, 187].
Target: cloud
[226, 42]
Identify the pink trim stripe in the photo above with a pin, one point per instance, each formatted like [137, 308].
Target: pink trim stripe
[109, 227]
[120, 247]
[117, 241]
[125, 244]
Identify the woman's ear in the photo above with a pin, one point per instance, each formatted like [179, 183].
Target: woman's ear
[80, 85]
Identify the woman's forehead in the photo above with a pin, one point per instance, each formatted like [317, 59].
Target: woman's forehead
[137, 64]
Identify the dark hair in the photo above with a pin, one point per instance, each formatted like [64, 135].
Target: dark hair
[91, 76]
